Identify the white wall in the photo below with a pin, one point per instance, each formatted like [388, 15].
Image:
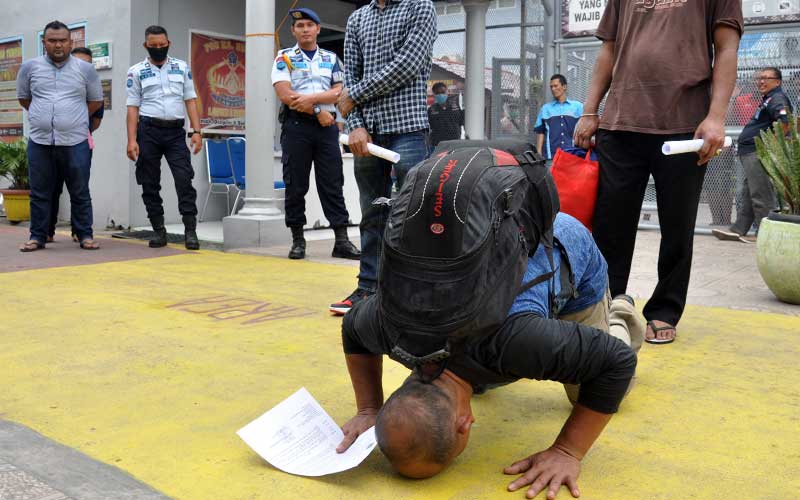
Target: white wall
[115, 194]
[106, 21]
[178, 17]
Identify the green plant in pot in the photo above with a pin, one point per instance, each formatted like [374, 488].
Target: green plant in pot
[779, 234]
[14, 167]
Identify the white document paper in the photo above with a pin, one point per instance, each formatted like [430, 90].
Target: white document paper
[386, 154]
[691, 146]
[299, 437]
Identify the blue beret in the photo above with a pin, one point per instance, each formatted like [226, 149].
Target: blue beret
[303, 13]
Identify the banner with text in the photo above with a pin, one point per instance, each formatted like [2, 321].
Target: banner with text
[581, 17]
[218, 69]
[10, 110]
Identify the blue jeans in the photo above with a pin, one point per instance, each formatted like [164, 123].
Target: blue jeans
[373, 176]
[46, 166]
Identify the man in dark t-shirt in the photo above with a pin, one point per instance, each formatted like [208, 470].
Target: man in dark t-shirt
[444, 115]
[655, 63]
[586, 339]
[757, 197]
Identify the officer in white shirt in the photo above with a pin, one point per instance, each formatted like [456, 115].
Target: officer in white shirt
[308, 81]
[158, 89]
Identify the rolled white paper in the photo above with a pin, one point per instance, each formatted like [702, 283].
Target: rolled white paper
[678, 147]
[386, 154]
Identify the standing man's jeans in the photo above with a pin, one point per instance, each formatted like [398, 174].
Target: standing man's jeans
[756, 198]
[373, 176]
[46, 165]
[627, 159]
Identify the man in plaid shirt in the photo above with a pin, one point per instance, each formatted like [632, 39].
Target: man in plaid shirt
[388, 49]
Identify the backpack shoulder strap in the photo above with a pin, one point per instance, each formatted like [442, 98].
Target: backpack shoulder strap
[569, 290]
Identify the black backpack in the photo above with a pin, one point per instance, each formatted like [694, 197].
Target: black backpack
[457, 242]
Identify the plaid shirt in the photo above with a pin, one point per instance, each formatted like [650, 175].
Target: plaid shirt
[387, 63]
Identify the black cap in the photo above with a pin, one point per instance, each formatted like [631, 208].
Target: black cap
[304, 13]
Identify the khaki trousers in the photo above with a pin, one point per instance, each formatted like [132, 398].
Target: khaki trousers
[616, 317]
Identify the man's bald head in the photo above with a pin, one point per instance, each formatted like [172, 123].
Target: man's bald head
[416, 429]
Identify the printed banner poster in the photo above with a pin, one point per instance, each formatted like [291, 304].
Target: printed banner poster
[106, 86]
[218, 67]
[581, 17]
[101, 54]
[10, 110]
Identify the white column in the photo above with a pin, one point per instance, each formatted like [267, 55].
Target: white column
[475, 102]
[260, 109]
[549, 48]
[260, 222]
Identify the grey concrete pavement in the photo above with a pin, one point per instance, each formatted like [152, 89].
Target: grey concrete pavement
[33, 467]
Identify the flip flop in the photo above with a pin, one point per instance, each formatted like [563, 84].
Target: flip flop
[31, 246]
[90, 244]
[657, 329]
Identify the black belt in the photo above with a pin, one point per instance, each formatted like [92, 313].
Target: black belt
[296, 115]
[158, 122]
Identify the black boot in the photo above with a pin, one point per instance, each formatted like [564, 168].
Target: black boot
[190, 232]
[160, 238]
[298, 250]
[342, 248]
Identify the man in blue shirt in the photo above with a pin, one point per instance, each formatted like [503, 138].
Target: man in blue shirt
[60, 92]
[557, 119]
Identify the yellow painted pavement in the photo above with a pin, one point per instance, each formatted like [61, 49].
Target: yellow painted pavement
[152, 365]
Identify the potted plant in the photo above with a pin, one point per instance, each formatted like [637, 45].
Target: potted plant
[14, 167]
[778, 244]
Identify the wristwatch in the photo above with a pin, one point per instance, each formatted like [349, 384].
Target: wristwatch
[191, 132]
[317, 110]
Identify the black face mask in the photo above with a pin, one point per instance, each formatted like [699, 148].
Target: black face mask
[158, 54]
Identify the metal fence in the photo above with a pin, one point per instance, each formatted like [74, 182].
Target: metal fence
[514, 80]
[513, 67]
[779, 48]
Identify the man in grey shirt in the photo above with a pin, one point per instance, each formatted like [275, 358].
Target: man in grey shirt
[60, 92]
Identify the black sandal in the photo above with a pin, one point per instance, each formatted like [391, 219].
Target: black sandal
[657, 329]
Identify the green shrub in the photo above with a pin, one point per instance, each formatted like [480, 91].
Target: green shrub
[14, 163]
[780, 156]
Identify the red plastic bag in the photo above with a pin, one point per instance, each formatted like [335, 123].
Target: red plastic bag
[576, 179]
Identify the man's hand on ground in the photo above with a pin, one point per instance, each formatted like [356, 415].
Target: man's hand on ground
[345, 104]
[133, 151]
[359, 138]
[712, 131]
[355, 427]
[547, 469]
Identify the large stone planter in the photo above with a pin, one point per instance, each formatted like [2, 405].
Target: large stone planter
[779, 255]
[17, 203]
